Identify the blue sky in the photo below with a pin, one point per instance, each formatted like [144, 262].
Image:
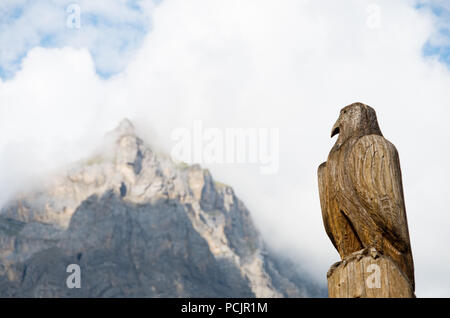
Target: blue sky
[111, 30]
[440, 44]
[114, 30]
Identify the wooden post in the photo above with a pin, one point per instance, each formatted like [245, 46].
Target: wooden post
[367, 273]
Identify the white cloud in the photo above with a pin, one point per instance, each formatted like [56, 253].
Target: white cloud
[286, 64]
[111, 30]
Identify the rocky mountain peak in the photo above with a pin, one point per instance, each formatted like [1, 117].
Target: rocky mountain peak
[164, 228]
[125, 127]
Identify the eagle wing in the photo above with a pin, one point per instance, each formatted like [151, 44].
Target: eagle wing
[376, 178]
[324, 197]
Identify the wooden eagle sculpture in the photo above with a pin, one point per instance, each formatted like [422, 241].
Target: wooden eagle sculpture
[361, 191]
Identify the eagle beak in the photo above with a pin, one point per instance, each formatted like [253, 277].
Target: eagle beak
[335, 130]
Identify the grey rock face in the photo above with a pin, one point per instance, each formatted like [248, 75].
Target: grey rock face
[138, 225]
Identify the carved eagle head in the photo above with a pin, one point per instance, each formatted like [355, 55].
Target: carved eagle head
[355, 120]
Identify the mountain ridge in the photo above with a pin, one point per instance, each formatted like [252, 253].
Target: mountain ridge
[163, 229]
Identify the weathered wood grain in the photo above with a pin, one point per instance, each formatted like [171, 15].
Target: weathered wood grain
[361, 197]
[368, 277]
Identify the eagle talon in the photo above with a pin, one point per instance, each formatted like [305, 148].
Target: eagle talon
[374, 253]
[332, 269]
[360, 252]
